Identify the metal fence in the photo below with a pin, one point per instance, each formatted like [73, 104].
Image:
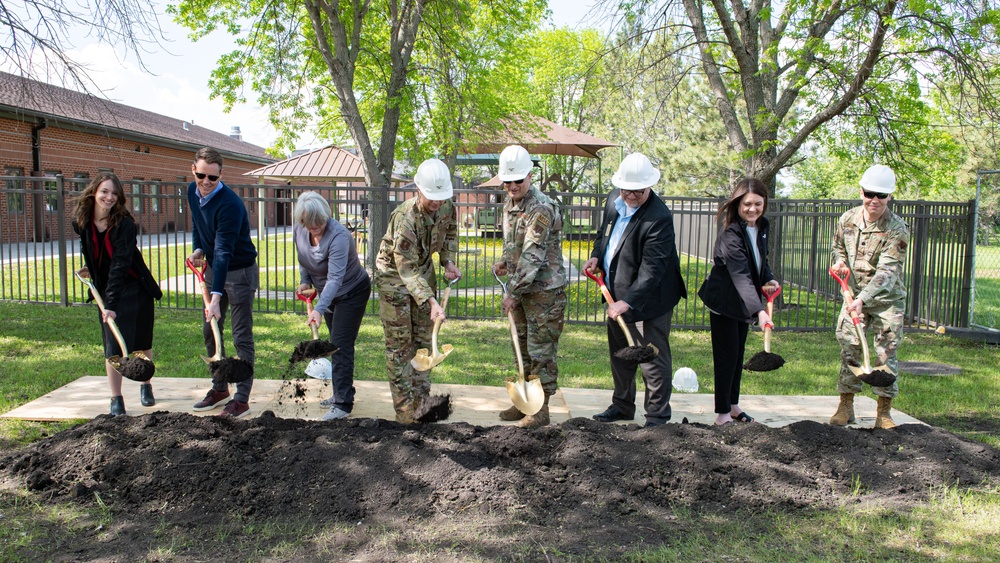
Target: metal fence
[985, 303]
[39, 250]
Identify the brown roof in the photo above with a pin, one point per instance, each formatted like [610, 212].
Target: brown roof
[541, 136]
[328, 163]
[66, 108]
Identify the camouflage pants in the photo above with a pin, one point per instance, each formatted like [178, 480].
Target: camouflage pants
[885, 326]
[407, 328]
[539, 320]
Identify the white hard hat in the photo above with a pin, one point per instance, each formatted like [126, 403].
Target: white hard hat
[433, 179]
[686, 380]
[879, 178]
[320, 368]
[636, 172]
[515, 163]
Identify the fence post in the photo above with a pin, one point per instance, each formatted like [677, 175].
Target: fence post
[61, 231]
[969, 273]
[918, 247]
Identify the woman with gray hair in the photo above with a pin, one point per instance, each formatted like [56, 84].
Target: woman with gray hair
[328, 261]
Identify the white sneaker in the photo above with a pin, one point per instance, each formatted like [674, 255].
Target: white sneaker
[335, 413]
[326, 403]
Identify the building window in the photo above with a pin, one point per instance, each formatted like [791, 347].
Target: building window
[80, 181]
[136, 195]
[51, 191]
[15, 201]
[154, 197]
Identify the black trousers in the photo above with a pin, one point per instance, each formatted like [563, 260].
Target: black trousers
[729, 342]
[657, 374]
[344, 321]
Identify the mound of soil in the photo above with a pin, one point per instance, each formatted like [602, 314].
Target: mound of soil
[565, 484]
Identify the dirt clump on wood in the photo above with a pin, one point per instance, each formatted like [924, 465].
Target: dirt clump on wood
[585, 488]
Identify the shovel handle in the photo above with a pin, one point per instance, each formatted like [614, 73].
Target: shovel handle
[599, 278]
[769, 326]
[858, 327]
[517, 347]
[308, 296]
[100, 306]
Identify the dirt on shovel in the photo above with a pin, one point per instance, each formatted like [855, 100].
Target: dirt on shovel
[230, 370]
[311, 350]
[137, 368]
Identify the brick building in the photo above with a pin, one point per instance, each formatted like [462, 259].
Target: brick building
[47, 131]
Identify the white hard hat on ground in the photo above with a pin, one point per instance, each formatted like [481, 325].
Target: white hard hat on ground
[515, 163]
[686, 380]
[636, 172]
[879, 178]
[433, 179]
[320, 368]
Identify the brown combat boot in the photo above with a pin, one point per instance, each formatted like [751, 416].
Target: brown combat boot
[845, 411]
[404, 415]
[511, 414]
[882, 416]
[537, 420]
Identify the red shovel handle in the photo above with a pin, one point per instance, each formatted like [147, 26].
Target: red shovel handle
[846, 292]
[599, 278]
[198, 272]
[770, 296]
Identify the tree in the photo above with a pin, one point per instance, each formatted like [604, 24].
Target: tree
[779, 71]
[37, 38]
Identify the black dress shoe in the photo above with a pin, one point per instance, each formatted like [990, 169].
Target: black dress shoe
[146, 395]
[117, 405]
[612, 414]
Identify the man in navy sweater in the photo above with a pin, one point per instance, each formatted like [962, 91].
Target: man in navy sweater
[221, 236]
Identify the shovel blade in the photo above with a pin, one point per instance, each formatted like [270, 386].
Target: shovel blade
[880, 376]
[445, 350]
[422, 360]
[527, 396]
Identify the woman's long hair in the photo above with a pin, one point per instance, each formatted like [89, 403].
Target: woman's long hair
[85, 202]
[729, 211]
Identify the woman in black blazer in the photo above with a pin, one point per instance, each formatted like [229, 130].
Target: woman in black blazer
[118, 272]
[734, 290]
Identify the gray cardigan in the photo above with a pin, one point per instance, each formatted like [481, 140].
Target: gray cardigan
[333, 269]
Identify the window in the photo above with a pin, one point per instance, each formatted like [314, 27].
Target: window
[15, 201]
[80, 181]
[154, 199]
[136, 195]
[51, 191]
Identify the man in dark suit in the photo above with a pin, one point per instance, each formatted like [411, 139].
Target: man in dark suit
[637, 251]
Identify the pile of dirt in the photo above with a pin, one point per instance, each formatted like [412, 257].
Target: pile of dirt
[181, 470]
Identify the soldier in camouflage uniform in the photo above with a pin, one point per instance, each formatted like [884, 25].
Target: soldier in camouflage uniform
[870, 243]
[404, 275]
[532, 258]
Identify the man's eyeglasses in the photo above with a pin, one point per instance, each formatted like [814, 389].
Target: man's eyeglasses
[873, 195]
[633, 193]
[201, 176]
[516, 182]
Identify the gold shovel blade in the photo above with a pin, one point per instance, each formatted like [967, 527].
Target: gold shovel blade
[116, 362]
[422, 360]
[527, 396]
[445, 350]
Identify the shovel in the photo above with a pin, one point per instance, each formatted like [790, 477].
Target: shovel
[138, 367]
[766, 361]
[631, 353]
[315, 348]
[527, 396]
[879, 376]
[232, 369]
[424, 359]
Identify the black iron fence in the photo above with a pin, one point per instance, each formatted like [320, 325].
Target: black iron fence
[39, 250]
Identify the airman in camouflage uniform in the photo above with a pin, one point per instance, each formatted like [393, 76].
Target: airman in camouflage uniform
[870, 243]
[532, 258]
[407, 285]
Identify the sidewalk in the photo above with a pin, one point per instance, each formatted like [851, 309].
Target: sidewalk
[87, 397]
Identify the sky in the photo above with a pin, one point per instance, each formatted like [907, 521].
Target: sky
[176, 84]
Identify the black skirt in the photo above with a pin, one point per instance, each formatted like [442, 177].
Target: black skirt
[134, 317]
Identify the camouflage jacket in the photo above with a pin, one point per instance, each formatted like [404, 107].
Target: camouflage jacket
[532, 244]
[875, 254]
[404, 263]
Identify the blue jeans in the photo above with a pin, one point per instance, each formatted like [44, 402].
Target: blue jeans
[239, 292]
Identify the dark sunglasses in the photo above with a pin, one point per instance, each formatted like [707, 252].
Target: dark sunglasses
[201, 176]
[517, 182]
[873, 195]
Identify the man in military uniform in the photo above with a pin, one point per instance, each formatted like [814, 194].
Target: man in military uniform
[532, 258]
[404, 276]
[870, 244]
